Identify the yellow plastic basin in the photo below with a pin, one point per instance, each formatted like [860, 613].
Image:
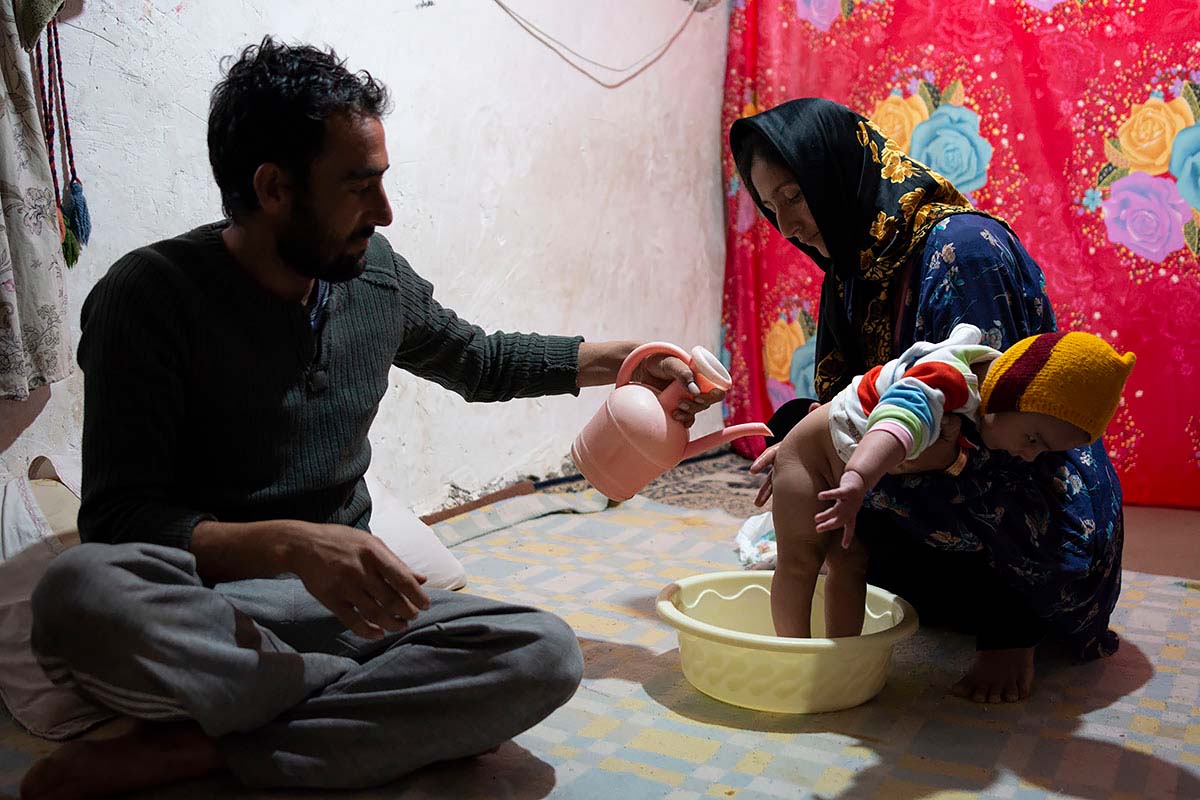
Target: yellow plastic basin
[728, 648]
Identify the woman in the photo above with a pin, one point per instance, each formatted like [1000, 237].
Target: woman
[1010, 548]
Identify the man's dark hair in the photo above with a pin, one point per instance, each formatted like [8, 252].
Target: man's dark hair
[271, 107]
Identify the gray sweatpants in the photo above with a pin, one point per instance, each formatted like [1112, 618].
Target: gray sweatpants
[292, 697]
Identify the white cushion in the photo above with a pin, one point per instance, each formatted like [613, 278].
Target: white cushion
[413, 541]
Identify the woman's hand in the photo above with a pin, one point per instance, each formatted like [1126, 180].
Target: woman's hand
[766, 461]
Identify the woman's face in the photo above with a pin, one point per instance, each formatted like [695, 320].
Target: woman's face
[1027, 435]
[780, 193]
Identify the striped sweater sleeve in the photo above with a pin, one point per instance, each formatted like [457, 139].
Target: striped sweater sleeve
[915, 391]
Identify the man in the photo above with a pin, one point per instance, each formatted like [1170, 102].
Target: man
[231, 376]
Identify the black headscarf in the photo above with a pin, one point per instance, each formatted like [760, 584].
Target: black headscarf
[874, 207]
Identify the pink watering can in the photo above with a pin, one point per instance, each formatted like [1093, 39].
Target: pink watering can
[633, 438]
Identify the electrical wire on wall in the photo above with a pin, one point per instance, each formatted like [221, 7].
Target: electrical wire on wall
[574, 57]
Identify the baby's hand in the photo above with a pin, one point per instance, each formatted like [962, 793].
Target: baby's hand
[847, 500]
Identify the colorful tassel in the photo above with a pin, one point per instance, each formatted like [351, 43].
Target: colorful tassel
[74, 219]
[70, 248]
[75, 206]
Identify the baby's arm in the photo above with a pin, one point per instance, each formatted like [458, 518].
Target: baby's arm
[904, 419]
[941, 381]
[879, 452]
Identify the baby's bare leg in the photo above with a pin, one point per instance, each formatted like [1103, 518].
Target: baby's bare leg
[845, 588]
[802, 470]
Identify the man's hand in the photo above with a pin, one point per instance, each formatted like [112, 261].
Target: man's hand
[660, 371]
[847, 501]
[357, 577]
[600, 363]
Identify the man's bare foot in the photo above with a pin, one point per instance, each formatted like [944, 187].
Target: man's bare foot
[151, 755]
[998, 676]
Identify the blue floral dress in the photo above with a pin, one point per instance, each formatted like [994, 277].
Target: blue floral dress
[1052, 530]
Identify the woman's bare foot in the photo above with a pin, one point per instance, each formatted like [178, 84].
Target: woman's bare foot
[998, 676]
[151, 755]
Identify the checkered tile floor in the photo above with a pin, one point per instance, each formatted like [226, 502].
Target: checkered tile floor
[1125, 727]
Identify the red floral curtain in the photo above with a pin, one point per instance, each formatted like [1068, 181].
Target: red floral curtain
[1078, 121]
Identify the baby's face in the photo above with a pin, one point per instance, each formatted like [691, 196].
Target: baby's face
[1027, 435]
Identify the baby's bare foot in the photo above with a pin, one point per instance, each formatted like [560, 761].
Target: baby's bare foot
[998, 676]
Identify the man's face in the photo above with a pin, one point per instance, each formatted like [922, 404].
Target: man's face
[337, 208]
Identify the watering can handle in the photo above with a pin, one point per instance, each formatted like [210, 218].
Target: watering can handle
[649, 349]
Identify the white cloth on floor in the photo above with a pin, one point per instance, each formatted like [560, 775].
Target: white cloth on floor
[30, 538]
[756, 542]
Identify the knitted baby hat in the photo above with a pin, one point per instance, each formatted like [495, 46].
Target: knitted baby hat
[1075, 377]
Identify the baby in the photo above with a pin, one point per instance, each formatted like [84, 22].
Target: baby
[1048, 393]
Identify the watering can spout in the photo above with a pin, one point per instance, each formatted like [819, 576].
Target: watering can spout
[698, 446]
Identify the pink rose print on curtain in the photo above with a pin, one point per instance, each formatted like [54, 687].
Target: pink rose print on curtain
[1044, 5]
[1152, 172]
[821, 13]
[1146, 214]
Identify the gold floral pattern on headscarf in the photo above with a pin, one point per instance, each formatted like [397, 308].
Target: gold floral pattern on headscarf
[909, 203]
[911, 199]
[882, 227]
[897, 168]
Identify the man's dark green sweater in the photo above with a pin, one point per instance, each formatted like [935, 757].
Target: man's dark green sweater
[206, 397]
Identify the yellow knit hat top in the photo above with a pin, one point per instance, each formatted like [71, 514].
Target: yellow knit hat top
[1075, 377]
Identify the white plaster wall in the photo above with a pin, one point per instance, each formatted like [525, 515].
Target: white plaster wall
[533, 198]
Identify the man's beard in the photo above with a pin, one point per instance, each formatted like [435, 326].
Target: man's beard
[314, 254]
